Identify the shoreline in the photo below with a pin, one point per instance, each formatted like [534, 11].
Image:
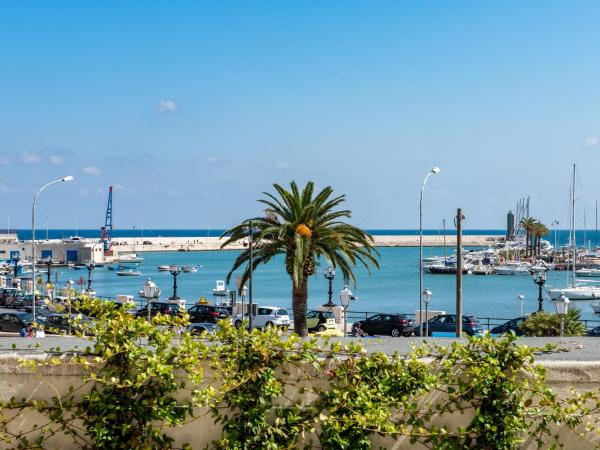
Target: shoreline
[170, 244]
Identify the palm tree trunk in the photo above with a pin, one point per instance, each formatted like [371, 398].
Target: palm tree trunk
[299, 306]
[527, 245]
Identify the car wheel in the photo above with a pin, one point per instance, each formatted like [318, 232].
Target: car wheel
[238, 324]
[321, 328]
[269, 325]
[395, 332]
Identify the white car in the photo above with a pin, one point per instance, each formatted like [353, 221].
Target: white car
[266, 316]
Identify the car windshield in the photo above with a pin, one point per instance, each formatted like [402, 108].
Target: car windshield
[26, 317]
[281, 312]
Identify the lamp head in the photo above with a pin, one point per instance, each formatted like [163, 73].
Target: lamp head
[68, 178]
[436, 169]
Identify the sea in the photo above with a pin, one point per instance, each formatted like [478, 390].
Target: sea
[394, 287]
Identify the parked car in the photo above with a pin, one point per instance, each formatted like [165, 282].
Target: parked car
[15, 321]
[389, 324]
[201, 328]
[511, 325]
[207, 313]
[594, 332]
[26, 300]
[266, 316]
[10, 298]
[5, 293]
[41, 311]
[446, 323]
[158, 307]
[320, 321]
[59, 324]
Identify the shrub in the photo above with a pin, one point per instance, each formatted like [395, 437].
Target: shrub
[545, 324]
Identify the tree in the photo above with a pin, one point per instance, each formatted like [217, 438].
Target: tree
[539, 230]
[304, 227]
[528, 224]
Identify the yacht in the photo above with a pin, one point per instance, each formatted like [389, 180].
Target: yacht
[220, 288]
[513, 268]
[590, 272]
[130, 258]
[128, 273]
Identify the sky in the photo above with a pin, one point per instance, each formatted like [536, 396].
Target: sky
[192, 109]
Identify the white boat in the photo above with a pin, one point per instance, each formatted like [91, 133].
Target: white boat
[188, 269]
[130, 258]
[220, 288]
[588, 273]
[596, 307]
[482, 269]
[164, 268]
[513, 268]
[128, 273]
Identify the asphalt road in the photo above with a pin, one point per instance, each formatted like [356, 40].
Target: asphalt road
[576, 349]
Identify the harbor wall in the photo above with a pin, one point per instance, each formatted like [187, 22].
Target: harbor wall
[158, 244]
[18, 382]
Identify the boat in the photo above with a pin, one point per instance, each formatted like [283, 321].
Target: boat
[596, 307]
[128, 273]
[130, 258]
[79, 267]
[513, 268]
[577, 290]
[220, 288]
[482, 269]
[188, 269]
[164, 268]
[589, 272]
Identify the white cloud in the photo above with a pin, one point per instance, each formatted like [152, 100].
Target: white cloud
[30, 158]
[167, 106]
[591, 141]
[56, 160]
[91, 170]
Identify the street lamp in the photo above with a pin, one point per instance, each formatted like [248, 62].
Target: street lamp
[562, 307]
[539, 278]
[329, 275]
[427, 296]
[345, 297]
[48, 265]
[90, 266]
[175, 270]
[431, 172]
[521, 297]
[149, 290]
[62, 180]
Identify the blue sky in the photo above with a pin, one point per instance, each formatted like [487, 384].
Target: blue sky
[192, 109]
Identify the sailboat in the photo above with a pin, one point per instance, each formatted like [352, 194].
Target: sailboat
[577, 290]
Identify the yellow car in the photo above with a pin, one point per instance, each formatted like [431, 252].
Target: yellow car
[320, 321]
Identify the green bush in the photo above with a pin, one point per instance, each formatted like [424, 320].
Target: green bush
[269, 390]
[545, 324]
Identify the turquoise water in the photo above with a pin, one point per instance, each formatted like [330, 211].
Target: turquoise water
[393, 288]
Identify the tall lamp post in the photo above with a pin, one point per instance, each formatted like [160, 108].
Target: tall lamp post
[426, 296]
[539, 278]
[149, 290]
[329, 275]
[62, 180]
[431, 172]
[48, 265]
[345, 297]
[175, 270]
[562, 307]
[90, 266]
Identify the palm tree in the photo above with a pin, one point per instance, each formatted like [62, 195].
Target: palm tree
[303, 227]
[528, 224]
[540, 231]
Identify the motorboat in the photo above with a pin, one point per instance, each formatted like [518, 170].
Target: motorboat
[590, 272]
[513, 268]
[596, 307]
[188, 269]
[220, 288]
[482, 269]
[164, 268]
[576, 292]
[130, 258]
[128, 273]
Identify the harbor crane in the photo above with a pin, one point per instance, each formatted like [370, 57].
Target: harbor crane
[106, 230]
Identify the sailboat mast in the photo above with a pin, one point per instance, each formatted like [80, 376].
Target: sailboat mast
[444, 227]
[596, 237]
[574, 241]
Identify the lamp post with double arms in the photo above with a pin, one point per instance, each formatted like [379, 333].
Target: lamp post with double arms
[345, 297]
[62, 180]
[431, 172]
[250, 230]
[175, 270]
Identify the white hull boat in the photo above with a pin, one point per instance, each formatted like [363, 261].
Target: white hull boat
[130, 258]
[164, 268]
[576, 292]
[588, 273]
[220, 289]
[188, 269]
[512, 269]
[596, 308]
[128, 273]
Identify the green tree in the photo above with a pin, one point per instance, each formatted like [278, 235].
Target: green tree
[304, 227]
[528, 224]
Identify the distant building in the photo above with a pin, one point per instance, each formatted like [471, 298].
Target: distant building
[510, 226]
[74, 250]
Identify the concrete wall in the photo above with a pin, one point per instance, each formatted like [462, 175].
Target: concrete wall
[19, 383]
